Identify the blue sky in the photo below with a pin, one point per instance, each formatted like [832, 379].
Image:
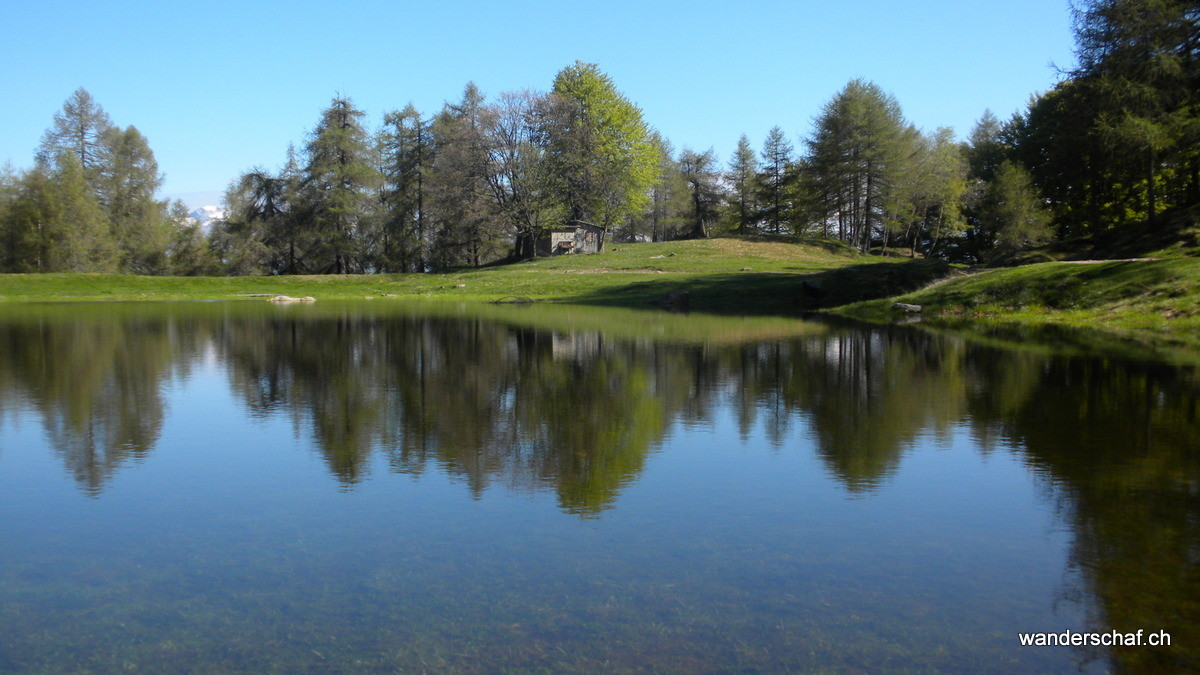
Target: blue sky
[219, 87]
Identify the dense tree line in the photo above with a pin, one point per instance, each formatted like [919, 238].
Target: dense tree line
[477, 182]
[1115, 142]
[89, 205]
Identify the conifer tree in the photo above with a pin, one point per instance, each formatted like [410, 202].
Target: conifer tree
[1016, 214]
[465, 231]
[53, 223]
[188, 251]
[127, 182]
[80, 128]
[86, 243]
[773, 180]
[405, 157]
[1139, 57]
[743, 169]
[338, 180]
[31, 224]
[934, 188]
[860, 151]
[665, 215]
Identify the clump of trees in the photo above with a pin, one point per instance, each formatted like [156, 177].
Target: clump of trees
[477, 182]
[483, 180]
[88, 204]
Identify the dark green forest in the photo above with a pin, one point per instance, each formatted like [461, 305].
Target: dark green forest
[1112, 145]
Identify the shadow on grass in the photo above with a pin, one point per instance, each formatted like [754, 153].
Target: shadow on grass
[774, 294]
[1175, 233]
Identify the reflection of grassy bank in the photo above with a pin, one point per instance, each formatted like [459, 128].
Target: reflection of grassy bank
[1150, 301]
[610, 322]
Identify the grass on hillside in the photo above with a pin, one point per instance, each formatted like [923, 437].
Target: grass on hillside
[1158, 300]
[1175, 234]
[1148, 300]
[723, 276]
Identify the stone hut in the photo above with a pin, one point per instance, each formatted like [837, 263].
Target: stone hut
[576, 237]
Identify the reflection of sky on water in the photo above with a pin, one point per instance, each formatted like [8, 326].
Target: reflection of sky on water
[737, 538]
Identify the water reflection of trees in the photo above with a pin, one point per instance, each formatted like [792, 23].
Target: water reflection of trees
[487, 403]
[1120, 445]
[1117, 443]
[96, 383]
[579, 412]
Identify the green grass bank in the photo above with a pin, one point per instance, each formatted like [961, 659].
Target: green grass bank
[1145, 300]
[1148, 300]
[721, 276]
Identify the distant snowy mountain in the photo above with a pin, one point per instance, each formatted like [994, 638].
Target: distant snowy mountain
[206, 214]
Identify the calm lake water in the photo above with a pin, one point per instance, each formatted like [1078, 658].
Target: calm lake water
[241, 487]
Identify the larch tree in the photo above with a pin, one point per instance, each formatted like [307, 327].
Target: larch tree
[127, 182]
[31, 224]
[268, 204]
[1142, 59]
[1018, 217]
[984, 152]
[860, 151]
[80, 128]
[188, 251]
[743, 168]
[338, 179]
[86, 244]
[460, 203]
[773, 180]
[405, 158]
[664, 216]
[238, 240]
[53, 223]
[935, 187]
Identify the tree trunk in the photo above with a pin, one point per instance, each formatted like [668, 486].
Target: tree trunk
[1194, 184]
[1151, 193]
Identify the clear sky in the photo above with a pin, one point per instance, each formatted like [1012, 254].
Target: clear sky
[219, 87]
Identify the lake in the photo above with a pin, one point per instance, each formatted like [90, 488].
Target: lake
[381, 486]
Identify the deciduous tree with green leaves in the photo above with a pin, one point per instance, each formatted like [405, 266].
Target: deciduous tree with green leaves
[599, 148]
[700, 171]
[518, 173]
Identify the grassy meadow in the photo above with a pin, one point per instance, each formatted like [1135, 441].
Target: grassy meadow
[1155, 300]
[722, 276]
[1146, 300]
